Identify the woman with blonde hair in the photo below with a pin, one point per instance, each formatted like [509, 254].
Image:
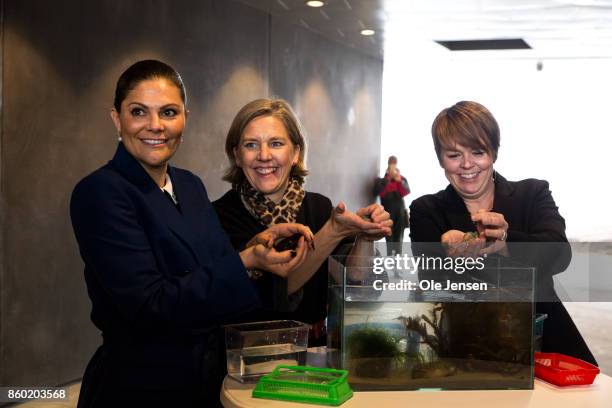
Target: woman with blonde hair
[266, 148]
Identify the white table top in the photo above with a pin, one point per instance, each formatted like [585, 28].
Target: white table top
[598, 395]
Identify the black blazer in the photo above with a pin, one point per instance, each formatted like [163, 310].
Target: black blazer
[532, 216]
[160, 281]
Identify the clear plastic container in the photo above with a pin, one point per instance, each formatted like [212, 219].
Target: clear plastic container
[255, 349]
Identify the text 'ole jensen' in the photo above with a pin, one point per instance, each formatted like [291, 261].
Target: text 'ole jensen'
[429, 285]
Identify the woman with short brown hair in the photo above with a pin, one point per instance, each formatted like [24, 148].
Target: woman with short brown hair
[480, 211]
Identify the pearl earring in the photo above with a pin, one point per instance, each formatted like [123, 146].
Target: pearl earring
[119, 138]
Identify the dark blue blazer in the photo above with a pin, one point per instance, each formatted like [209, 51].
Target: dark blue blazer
[161, 279]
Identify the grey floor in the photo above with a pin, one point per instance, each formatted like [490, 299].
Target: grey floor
[594, 320]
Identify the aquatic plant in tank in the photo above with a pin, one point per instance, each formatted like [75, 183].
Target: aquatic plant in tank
[373, 351]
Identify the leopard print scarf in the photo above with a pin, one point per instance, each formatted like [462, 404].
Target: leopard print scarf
[266, 211]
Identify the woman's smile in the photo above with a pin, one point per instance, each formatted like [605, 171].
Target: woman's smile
[154, 142]
[469, 176]
[266, 171]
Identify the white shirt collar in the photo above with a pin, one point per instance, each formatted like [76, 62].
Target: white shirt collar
[168, 188]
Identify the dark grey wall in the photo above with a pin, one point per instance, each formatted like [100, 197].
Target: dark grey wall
[60, 62]
[337, 93]
[2, 210]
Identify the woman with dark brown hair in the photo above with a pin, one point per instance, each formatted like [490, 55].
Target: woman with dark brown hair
[160, 272]
[266, 148]
[480, 202]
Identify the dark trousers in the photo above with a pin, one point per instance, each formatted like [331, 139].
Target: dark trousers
[394, 242]
[561, 334]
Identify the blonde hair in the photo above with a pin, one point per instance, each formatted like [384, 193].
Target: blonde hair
[258, 108]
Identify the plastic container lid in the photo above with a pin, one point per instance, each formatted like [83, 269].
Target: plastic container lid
[562, 370]
[313, 385]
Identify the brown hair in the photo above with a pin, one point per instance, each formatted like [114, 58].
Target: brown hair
[258, 108]
[142, 71]
[466, 123]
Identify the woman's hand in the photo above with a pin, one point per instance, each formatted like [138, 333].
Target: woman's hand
[493, 228]
[259, 252]
[282, 263]
[378, 215]
[396, 176]
[271, 235]
[462, 244]
[371, 221]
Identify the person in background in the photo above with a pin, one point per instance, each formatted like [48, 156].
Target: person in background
[392, 188]
[160, 272]
[265, 147]
[480, 212]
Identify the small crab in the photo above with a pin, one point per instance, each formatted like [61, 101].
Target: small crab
[469, 236]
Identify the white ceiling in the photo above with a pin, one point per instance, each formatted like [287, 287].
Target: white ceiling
[553, 28]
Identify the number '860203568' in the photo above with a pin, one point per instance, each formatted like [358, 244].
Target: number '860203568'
[36, 393]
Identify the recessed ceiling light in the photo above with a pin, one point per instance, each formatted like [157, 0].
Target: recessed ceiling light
[367, 32]
[315, 3]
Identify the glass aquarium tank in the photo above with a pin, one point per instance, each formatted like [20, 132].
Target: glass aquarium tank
[399, 330]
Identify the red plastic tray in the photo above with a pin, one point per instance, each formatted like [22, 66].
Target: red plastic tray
[563, 370]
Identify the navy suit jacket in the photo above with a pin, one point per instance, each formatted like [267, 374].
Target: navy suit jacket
[160, 280]
[532, 217]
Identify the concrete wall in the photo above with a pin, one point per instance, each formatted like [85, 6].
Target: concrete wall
[337, 93]
[60, 63]
[2, 206]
